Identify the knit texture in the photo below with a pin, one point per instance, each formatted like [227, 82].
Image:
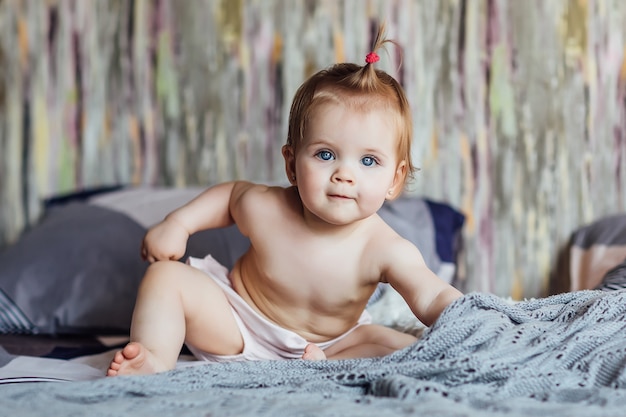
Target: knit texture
[561, 355]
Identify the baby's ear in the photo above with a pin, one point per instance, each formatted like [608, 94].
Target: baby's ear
[290, 163]
[397, 186]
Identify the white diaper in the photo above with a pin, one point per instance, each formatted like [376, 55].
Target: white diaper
[263, 340]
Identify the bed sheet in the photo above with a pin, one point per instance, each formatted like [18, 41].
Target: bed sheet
[15, 369]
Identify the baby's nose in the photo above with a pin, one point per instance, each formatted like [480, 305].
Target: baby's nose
[343, 174]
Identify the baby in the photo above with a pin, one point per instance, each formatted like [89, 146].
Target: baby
[318, 248]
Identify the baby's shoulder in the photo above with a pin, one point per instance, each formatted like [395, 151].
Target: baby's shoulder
[251, 198]
[258, 208]
[384, 240]
[251, 192]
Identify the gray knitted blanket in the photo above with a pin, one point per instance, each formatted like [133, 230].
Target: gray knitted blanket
[562, 355]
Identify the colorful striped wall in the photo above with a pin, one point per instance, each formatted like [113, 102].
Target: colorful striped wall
[519, 106]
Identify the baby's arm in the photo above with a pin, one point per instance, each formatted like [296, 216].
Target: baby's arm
[426, 294]
[167, 240]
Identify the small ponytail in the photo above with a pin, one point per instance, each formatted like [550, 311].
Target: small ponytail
[369, 78]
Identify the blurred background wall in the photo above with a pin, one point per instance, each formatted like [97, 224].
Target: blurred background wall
[519, 106]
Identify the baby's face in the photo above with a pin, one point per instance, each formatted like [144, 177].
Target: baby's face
[347, 164]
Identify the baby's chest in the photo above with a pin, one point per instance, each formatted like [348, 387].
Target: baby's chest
[314, 262]
[326, 274]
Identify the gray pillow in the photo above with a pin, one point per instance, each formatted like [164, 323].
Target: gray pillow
[75, 271]
[78, 270]
[592, 251]
[615, 279]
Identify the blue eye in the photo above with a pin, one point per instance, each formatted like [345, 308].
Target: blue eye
[368, 161]
[325, 155]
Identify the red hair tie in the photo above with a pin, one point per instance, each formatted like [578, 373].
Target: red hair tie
[372, 57]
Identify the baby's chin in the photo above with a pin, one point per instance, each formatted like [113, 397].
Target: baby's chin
[341, 217]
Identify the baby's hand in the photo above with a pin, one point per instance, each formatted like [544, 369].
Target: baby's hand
[165, 241]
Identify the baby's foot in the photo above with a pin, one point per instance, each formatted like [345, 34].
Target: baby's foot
[312, 352]
[134, 359]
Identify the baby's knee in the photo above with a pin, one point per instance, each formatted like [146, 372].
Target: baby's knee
[163, 272]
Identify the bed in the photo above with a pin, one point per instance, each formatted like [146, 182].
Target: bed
[65, 308]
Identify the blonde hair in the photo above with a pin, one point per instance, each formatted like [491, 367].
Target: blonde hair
[360, 87]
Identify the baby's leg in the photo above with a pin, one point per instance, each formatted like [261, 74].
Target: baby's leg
[176, 303]
[370, 340]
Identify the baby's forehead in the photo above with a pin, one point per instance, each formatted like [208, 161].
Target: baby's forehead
[328, 107]
[338, 115]
[353, 132]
